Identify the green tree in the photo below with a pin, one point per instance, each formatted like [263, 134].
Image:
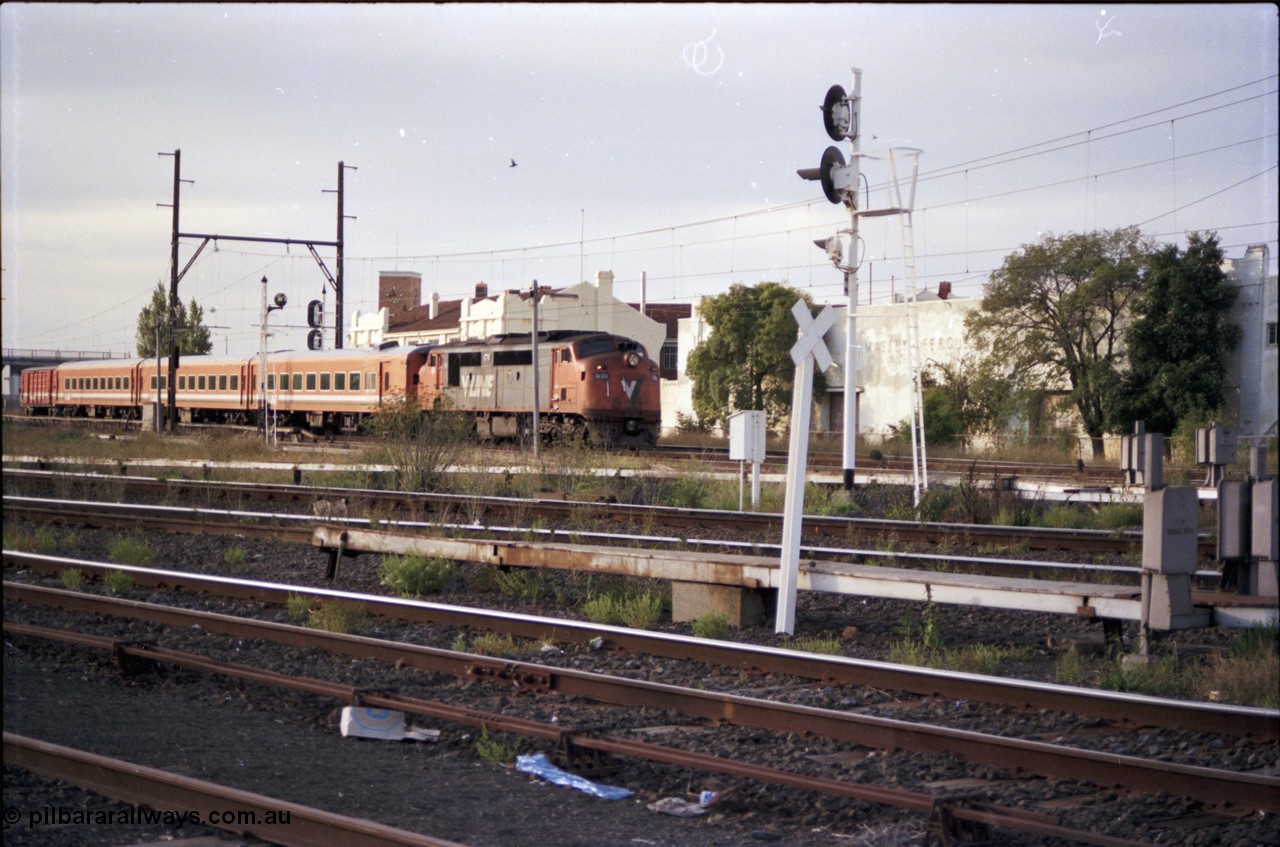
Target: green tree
[1053, 313]
[195, 341]
[1177, 341]
[746, 361]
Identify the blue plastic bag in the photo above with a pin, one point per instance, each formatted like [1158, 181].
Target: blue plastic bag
[539, 765]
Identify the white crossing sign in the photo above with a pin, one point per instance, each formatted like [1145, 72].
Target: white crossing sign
[808, 348]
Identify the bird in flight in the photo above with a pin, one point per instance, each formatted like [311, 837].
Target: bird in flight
[513, 163]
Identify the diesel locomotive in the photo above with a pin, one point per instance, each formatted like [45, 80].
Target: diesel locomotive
[596, 385]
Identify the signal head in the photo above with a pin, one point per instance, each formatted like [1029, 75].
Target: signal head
[280, 300]
[837, 114]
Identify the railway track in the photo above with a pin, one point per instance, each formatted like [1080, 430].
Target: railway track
[1084, 474]
[383, 505]
[1221, 787]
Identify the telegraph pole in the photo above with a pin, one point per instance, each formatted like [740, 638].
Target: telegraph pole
[174, 275]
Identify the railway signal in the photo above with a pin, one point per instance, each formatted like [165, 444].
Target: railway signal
[842, 117]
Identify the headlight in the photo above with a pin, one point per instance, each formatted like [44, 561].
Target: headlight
[633, 359]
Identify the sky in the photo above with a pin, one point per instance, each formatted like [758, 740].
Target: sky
[657, 141]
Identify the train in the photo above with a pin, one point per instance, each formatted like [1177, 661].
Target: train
[594, 385]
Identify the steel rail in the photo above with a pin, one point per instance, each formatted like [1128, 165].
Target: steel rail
[571, 741]
[1133, 773]
[1124, 708]
[419, 505]
[251, 814]
[293, 528]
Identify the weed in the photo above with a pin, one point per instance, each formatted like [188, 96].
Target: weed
[129, 550]
[415, 574]
[1070, 669]
[298, 607]
[493, 751]
[234, 556]
[825, 646]
[522, 583]
[494, 644]
[635, 610]
[1118, 516]
[338, 616]
[72, 579]
[711, 625]
[42, 541]
[118, 582]
[459, 644]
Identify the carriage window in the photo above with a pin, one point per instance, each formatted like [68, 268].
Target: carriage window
[513, 357]
[592, 348]
[200, 381]
[325, 379]
[164, 383]
[222, 382]
[354, 380]
[369, 380]
[153, 383]
[126, 383]
[235, 382]
[311, 382]
[386, 382]
[271, 382]
[297, 382]
[340, 381]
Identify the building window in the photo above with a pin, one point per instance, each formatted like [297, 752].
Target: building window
[670, 355]
[1271, 334]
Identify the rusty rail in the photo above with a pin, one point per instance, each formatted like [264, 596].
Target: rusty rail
[249, 814]
[1133, 773]
[946, 811]
[1128, 709]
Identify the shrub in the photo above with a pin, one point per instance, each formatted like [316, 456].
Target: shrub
[415, 574]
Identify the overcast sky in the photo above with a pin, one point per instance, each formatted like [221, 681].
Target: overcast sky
[660, 140]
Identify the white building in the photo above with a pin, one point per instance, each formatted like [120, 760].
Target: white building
[884, 375]
[403, 318]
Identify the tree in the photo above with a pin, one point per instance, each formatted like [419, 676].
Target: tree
[195, 341]
[1053, 314]
[746, 362]
[1177, 340]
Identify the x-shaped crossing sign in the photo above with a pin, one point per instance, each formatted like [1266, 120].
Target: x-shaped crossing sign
[811, 331]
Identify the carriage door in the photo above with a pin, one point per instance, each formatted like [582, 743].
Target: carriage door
[564, 386]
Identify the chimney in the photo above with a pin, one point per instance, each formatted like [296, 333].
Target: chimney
[482, 290]
[433, 306]
[944, 290]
